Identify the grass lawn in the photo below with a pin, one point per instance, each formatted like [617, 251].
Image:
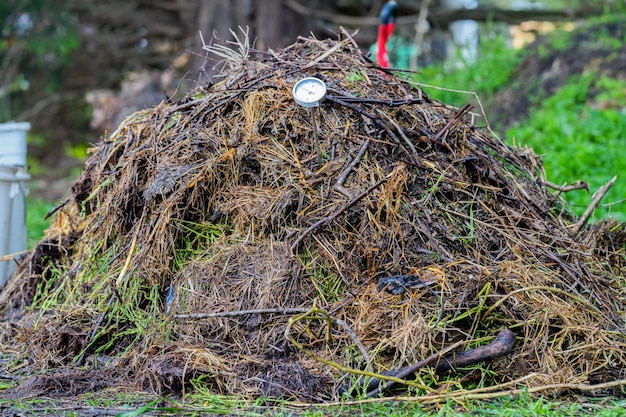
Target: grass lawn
[126, 405]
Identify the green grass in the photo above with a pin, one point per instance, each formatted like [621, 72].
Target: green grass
[35, 224]
[138, 404]
[494, 65]
[578, 141]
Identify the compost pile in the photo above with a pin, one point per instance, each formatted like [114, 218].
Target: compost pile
[207, 242]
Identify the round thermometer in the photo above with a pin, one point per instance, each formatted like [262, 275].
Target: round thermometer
[309, 92]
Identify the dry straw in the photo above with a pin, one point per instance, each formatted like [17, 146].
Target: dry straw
[203, 239]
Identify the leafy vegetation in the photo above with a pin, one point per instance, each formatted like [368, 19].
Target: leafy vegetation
[491, 70]
[580, 141]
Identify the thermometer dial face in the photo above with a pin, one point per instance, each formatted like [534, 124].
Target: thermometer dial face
[309, 92]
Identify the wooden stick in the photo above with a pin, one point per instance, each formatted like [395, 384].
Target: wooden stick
[457, 117]
[376, 120]
[328, 53]
[339, 184]
[578, 185]
[12, 256]
[400, 131]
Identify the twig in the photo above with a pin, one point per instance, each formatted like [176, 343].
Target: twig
[614, 203]
[404, 372]
[541, 288]
[458, 116]
[400, 131]
[330, 218]
[578, 185]
[376, 120]
[326, 54]
[478, 393]
[57, 208]
[597, 196]
[316, 313]
[472, 93]
[355, 339]
[12, 256]
[388, 103]
[199, 316]
[94, 331]
[114, 287]
[350, 37]
[339, 184]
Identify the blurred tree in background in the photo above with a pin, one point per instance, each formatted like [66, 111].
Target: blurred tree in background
[36, 36]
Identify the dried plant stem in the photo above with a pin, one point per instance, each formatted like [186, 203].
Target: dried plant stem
[11, 256]
[540, 288]
[342, 178]
[200, 316]
[131, 250]
[284, 311]
[597, 196]
[578, 185]
[376, 120]
[328, 53]
[400, 131]
[410, 370]
[355, 339]
[501, 345]
[457, 117]
[489, 393]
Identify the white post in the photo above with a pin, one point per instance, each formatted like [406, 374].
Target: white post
[13, 190]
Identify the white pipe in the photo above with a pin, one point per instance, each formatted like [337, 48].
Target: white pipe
[13, 190]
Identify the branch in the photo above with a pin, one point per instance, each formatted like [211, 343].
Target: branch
[578, 185]
[375, 120]
[501, 345]
[339, 184]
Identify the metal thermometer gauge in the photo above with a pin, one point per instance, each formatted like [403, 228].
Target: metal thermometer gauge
[309, 92]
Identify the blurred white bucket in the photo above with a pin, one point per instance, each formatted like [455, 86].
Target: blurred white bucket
[13, 144]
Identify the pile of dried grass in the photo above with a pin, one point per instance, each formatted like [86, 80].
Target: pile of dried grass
[203, 239]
